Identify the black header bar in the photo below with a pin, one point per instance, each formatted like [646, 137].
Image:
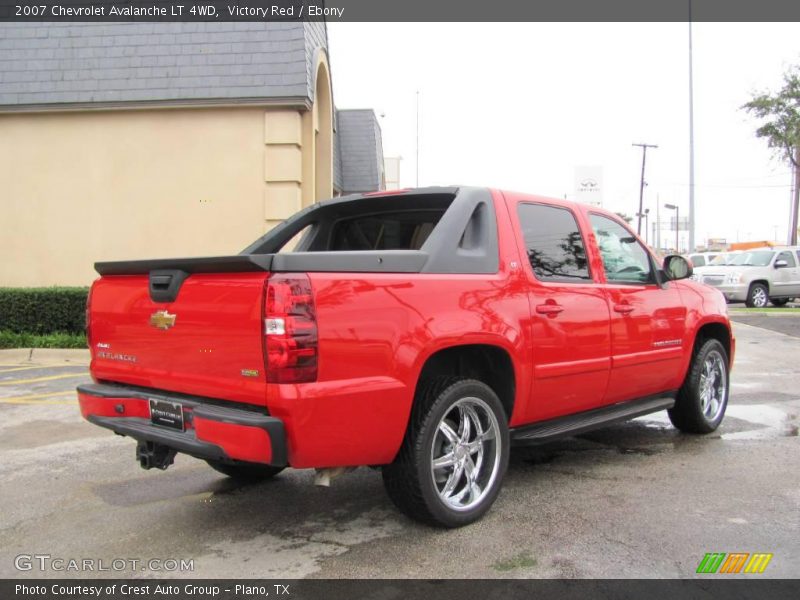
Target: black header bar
[705, 588]
[401, 10]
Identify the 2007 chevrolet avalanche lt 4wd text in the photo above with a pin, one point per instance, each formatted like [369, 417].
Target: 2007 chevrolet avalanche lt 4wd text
[424, 332]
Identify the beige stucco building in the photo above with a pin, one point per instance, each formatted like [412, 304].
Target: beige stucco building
[140, 140]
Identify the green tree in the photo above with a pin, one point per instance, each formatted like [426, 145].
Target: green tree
[779, 116]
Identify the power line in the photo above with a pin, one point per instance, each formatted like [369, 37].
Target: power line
[726, 186]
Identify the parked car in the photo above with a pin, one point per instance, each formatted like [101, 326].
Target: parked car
[423, 332]
[701, 259]
[757, 277]
[720, 260]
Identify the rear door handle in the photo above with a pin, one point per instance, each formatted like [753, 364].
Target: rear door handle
[549, 309]
[623, 308]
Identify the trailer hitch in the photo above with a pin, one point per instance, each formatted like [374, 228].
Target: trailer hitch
[151, 455]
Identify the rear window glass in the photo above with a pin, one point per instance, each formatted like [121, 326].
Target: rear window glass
[405, 230]
[554, 243]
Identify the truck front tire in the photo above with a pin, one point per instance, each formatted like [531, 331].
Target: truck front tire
[454, 455]
[701, 402]
[757, 296]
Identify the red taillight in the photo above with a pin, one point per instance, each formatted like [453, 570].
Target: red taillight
[88, 327]
[290, 328]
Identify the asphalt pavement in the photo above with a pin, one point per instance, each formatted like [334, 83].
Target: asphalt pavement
[633, 500]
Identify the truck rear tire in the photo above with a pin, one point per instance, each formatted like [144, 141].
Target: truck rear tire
[454, 455]
[703, 398]
[249, 472]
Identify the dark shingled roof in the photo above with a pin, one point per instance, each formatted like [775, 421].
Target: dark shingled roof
[96, 63]
[360, 151]
[52, 65]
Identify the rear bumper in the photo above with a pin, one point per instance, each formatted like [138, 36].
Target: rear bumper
[211, 431]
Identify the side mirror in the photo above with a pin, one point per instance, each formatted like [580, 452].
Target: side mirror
[677, 267]
[781, 264]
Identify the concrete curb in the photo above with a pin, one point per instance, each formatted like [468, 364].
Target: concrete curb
[45, 356]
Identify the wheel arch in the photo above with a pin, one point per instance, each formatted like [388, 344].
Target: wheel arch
[764, 282]
[489, 363]
[715, 330]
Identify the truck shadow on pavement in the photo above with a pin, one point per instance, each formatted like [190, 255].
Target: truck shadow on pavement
[291, 498]
[292, 495]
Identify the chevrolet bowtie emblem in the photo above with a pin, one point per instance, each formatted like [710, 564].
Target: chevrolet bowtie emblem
[162, 319]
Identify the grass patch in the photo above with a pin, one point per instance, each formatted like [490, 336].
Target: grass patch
[11, 339]
[765, 311]
[520, 561]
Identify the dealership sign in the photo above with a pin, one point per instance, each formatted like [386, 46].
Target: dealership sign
[589, 185]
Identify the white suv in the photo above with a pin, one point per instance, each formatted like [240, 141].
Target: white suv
[758, 276]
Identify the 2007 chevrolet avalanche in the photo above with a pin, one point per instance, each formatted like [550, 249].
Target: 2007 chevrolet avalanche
[423, 331]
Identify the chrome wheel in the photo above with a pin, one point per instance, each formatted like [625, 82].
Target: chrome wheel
[759, 297]
[465, 454]
[713, 385]
[701, 401]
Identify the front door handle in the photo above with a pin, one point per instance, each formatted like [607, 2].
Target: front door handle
[549, 309]
[623, 308]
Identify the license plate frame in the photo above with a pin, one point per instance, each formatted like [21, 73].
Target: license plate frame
[167, 414]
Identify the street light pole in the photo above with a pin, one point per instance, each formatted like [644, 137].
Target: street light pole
[677, 225]
[658, 222]
[691, 135]
[417, 139]
[644, 148]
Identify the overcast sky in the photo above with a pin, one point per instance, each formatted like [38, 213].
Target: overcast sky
[519, 106]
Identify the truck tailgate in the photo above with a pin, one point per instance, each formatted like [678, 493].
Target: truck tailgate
[207, 342]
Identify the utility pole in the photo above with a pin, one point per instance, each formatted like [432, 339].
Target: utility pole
[796, 199]
[644, 148]
[691, 135]
[646, 212]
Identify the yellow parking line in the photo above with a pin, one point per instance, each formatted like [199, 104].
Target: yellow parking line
[37, 379]
[38, 398]
[18, 368]
[48, 402]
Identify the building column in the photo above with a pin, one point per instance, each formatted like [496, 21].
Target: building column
[283, 165]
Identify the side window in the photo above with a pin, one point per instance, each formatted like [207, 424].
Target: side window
[554, 243]
[798, 255]
[787, 256]
[624, 258]
[296, 239]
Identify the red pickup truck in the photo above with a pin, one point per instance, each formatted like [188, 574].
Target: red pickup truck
[424, 332]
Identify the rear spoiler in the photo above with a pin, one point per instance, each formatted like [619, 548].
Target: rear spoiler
[241, 263]
[370, 261]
